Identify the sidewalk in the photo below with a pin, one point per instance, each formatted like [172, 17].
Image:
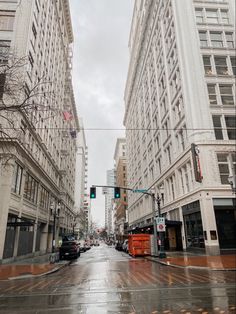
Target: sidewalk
[220, 262]
[32, 267]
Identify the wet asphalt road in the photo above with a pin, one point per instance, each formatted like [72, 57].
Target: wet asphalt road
[103, 281]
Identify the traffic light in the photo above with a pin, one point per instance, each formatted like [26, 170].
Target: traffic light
[117, 192]
[92, 192]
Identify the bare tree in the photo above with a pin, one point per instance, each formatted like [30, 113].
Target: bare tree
[82, 220]
[22, 96]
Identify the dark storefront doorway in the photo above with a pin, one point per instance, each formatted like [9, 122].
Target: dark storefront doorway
[173, 238]
[193, 225]
[226, 226]
[10, 237]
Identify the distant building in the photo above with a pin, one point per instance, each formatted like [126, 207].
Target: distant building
[109, 196]
[37, 183]
[180, 120]
[82, 202]
[120, 218]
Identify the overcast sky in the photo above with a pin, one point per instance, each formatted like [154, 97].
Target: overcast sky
[100, 64]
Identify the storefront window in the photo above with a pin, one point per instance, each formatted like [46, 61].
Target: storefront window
[193, 225]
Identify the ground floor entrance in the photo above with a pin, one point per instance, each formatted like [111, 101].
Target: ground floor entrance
[225, 213]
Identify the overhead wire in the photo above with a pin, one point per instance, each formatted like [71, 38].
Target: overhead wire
[119, 129]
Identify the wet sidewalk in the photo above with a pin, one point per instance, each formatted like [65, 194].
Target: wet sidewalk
[221, 262]
[35, 267]
[32, 267]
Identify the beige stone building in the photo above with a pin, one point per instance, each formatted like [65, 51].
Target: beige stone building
[180, 120]
[120, 207]
[37, 184]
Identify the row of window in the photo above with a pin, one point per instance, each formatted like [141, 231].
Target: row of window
[212, 16]
[224, 127]
[7, 20]
[219, 65]
[216, 39]
[221, 94]
[227, 166]
[31, 188]
[4, 50]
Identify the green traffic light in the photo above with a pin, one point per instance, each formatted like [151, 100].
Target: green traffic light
[117, 192]
[92, 192]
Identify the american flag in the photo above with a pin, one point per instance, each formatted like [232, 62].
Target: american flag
[67, 115]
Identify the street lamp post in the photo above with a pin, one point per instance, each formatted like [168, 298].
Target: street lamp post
[55, 212]
[154, 224]
[162, 253]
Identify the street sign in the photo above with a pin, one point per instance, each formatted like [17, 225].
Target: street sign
[140, 191]
[161, 227]
[160, 220]
[104, 190]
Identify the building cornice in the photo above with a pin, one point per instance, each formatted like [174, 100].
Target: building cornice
[68, 22]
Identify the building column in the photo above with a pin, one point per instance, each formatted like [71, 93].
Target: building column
[35, 235]
[209, 225]
[17, 236]
[44, 238]
[5, 195]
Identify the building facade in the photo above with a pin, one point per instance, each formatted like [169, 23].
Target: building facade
[120, 214]
[180, 120]
[109, 196]
[82, 201]
[37, 139]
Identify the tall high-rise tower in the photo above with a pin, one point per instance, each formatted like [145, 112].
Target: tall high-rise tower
[39, 125]
[109, 196]
[180, 119]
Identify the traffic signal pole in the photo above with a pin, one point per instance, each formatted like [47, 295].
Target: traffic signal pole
[154, 225]
[154, 200]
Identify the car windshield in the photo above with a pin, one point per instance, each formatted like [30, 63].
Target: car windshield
[68, 243]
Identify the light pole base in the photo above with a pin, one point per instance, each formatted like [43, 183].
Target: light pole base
[162, 255]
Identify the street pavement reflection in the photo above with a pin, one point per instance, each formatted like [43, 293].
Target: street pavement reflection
[103, 281]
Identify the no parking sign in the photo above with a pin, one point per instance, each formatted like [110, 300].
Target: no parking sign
[161, 227]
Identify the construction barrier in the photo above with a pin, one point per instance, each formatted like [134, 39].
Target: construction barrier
[139, 244]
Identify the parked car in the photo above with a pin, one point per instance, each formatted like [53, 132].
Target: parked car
[85, 247]
[69, 249]
[118, 246]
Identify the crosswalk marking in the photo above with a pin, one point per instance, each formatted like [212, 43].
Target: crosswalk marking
[138, 274]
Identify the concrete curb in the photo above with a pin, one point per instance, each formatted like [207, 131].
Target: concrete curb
[189, 266]
[39, 275]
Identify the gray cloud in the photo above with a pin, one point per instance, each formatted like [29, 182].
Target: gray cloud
[100, 65]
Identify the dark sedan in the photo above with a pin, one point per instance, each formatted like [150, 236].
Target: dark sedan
[69, 249]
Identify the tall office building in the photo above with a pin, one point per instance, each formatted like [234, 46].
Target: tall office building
[120, 215]
[37, 142]
[109, 196]
[82, 204]
[180, 120]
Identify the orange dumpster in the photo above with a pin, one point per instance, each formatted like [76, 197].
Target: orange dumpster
[139, 244]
